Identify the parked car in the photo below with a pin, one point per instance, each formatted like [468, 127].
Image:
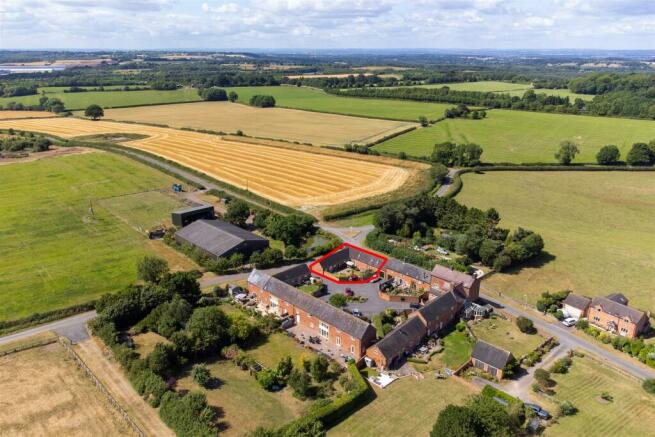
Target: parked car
[357, 313]
[569, 321]
[442, 251]
[349, 292]
[540, 412]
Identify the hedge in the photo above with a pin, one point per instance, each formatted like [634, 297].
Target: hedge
[492, 392]
[337, 410]
[38, 318]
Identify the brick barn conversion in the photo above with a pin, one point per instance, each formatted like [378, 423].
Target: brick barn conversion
[490, 359]
[216, 238]
[448, 293]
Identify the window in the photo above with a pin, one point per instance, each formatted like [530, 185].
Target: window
[596, 319]
[324, 329]
[274, 303]
[338, 341]
[352, 349]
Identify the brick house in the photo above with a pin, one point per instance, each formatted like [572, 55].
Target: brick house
[445, 279]
[414, 277]
[490, 358]
[576, 306]
[437, 313]
[611, 314]
[340, 330]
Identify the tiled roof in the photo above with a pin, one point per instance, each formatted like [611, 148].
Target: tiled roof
[453, 276]
[616, 309]
[215, 236]
[292, 273]
[490, 354]
[404, 337]
[439, 306]
[408, 269]
[618, 298]
[577, 301]
[325, 312]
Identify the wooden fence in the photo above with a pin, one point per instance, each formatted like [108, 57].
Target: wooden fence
[66, 345]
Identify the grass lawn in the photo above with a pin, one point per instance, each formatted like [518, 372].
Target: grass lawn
[361, 219]
[145, 343]
[598, 230]
[457, 349]
[54, 253]
[631, 413]
[277, 346]
[521, 136]
[405, 408]
[317, 100]
[111, 99]
[143, 211]
[244, 404]
[309, 288]
[504, 334]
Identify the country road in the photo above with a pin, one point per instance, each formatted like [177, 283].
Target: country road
[70, 327]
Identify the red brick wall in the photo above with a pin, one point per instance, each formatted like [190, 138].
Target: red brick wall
[419, 285]
[625, 328]
[346, 344]
[487, 368]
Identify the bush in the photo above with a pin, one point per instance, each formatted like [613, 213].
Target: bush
[608, 155]
[300, 383]
[319, 368]
[562, 365]
[338, 300]
[606, 396]
[188, 415]
[566, 408]
[649, 385]
[213, 94]
[461, 326]
[148, 384]
[151, 268]
[200, 374]
[163, 360]
[267, 378]
[525, 325]
[262, 101]
[582, 324]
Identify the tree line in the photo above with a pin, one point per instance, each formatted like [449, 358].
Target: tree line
[24, 141]
[470, 232]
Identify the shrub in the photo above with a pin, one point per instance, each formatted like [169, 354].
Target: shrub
[213, 94]
[562, 365]
[338, 300]
[582, 324]
[188, 415]
[649, 385]
[608, 155]
[606, 396]
[163, 360]
[151, 268]
[461, 326]
[300, 383]
[566, 408]
[542, 376]
[525, 325]
[262, 101]
[640, 155]
[319, 368]
[148, 384]
[200, 374]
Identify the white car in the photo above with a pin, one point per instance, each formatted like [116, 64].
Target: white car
[442, 251]
[569, 321]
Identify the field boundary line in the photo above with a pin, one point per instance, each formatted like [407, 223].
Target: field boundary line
[27, 346]
[78, 360]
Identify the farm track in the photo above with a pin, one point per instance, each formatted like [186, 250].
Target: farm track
[291, 177]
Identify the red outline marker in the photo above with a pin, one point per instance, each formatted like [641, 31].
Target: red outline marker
[359, 281]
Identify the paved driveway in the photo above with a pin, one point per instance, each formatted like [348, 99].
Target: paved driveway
[374, 305]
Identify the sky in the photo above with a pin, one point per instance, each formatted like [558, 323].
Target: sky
[327, 24]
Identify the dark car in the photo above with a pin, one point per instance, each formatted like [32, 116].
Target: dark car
[349, 292]
[540, 412]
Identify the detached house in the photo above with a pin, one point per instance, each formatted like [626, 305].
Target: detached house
[610, 314]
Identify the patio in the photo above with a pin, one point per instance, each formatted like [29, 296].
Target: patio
[302, 335]
[373, 305]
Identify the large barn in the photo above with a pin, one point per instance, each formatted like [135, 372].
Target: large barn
[216, 238]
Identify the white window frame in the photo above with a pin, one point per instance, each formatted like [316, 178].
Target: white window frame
[275, 303]
[352, 349]
[338, 340]
[324, 329]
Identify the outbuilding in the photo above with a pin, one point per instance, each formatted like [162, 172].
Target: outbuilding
[490, 359]
[186, 216]
[216, 238]
[576, 306]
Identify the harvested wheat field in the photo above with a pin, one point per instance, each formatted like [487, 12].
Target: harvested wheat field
[45, 393]
[11, 115]
[278, 123]
[288, 176]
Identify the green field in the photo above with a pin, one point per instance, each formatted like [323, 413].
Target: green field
[513, 89]
[111, 99]
[521, 136]
[598, 230]
[506, 335]
[631, 413]
[54, 252]
[317, 100]
[405, 408]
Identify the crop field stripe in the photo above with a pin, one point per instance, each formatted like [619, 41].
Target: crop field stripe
[292, 176]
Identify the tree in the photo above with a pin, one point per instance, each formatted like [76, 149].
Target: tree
[489, 249]
[338, 300]
[183, 283]
[567, 152]
[208, 329]
[262, 101]
[640, 155]
[608, 155]
[240, 329]
[213, 94]
[649, 385]
[163, 360]
[439, 173]
[151, 269]
[291, 229]
[319, 368]
[94, 112]
[267, 378]
[284, 367]
[237, 213]
[566, 408]
[300, 382]
[200, 374]
[423, 120]
[232, 96]
[525, 325]
[455, 420]
[542, 376]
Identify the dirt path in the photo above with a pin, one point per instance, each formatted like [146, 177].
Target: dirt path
[111, 375]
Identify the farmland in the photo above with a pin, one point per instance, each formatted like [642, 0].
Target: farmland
[406, 407]
[316, 100]
[513, 89]
[521, 136]
[597, 227]
[289, 176]
[56, 252]
[631, 412]
[293, 125]
[9, 115]
[109, 99]
[48, 395]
